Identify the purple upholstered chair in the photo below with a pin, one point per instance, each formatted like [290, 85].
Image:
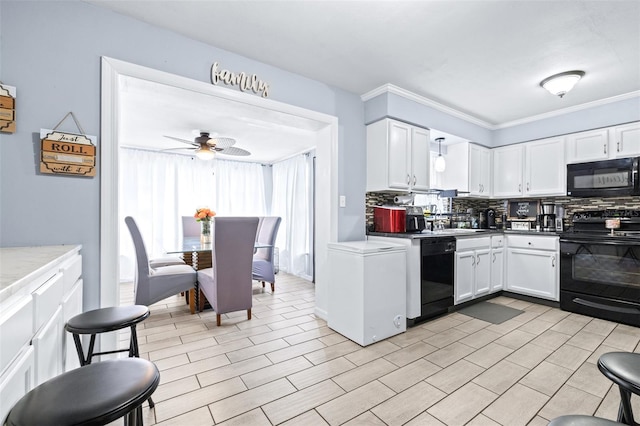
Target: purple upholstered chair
[154, 284]
[227, 284]
[263, 268]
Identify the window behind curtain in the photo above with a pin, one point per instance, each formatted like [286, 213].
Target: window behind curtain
[157, 189]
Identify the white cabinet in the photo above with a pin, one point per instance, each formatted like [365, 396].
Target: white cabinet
[397, 157]
[545, 171]
[472, 277]
[588, 146]
[508, 165]
[531, 169]
[627, 140]
[533, 265]
[71, 306]
[468, 169]
[603, 144]
[43, 289]
[497, 263]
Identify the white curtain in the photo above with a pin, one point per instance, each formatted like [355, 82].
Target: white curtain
[292, 200]
[158, 188]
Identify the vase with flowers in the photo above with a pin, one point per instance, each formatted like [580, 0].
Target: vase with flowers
[204, 216]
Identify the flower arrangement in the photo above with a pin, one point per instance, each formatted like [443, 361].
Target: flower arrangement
[204, 215]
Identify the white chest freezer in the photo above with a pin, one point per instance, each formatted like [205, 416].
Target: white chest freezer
[367, 290]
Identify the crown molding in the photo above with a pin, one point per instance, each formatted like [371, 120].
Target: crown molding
[390, 88]
[568, 110]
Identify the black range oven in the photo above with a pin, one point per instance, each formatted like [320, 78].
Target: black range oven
[600, 269]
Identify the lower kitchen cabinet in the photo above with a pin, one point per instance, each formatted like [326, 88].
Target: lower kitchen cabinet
[533, 266]
[472, 268]
[44, 290]
[497, 263]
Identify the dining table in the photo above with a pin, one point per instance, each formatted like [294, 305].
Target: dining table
[198, 255]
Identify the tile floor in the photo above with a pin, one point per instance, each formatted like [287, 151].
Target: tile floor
[285, 366]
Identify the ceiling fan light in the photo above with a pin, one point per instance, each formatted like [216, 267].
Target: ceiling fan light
[205, 153]
[561, 84]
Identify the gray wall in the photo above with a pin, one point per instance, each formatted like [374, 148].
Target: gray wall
[50, 50]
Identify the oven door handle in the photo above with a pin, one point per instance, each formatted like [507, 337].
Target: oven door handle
[618, 309]
[596, 242]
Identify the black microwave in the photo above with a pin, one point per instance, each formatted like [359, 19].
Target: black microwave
[607, 178]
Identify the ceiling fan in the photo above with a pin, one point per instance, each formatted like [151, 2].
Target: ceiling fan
[206, 147]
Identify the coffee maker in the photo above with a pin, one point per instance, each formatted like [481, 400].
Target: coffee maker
[547, 219]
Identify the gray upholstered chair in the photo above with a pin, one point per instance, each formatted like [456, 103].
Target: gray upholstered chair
[190, 228]
[153, 285]
[263, 268]
[227, 284]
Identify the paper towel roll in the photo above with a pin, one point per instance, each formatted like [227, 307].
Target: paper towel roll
[403, 199]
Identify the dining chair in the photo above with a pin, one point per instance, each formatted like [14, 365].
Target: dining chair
[263, 268]
[190, 228]
[154, 284]
[227, 284]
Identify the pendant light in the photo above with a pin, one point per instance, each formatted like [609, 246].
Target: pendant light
[560, 84]
[440, 163]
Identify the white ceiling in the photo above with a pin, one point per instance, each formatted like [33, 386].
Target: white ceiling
[483, 58]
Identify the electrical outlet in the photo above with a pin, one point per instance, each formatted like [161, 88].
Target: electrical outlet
[343, 201]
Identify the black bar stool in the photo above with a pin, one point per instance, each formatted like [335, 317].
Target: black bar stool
[93, 395]
[104, 320]
[623, 368]
[580, 420]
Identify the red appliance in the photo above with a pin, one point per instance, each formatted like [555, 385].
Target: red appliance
[390, 219]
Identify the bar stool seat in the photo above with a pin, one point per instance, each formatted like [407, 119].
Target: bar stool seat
[580, 420]
[623, 368]
[93, 395]
[104, 320]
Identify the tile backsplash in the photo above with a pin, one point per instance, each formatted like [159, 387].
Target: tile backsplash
[571, 205]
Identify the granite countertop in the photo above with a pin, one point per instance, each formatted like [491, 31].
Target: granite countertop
[460, 233]
[19, 266]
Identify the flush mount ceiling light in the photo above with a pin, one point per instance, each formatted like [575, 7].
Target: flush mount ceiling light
[205, 153]
[560, 84]
[440, 163]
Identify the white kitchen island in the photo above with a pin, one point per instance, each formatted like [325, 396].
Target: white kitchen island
[40, 289]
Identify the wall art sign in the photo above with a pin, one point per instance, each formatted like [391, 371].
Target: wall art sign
[7, 108]
[67, 153]
[244, 81]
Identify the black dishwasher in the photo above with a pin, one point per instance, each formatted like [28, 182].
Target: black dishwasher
[436, 275]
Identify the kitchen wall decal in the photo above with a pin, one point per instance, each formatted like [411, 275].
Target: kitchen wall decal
[7, 108]
[66, 153]
[243, 80]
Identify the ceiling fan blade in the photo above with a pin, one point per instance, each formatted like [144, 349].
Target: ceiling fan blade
[179, 149]
[182, 140]
[233, 151]
[221, 142]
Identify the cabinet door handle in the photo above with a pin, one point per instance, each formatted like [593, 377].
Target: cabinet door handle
[618, 146]
[473, 259]
[519, 187]
[529, 243]
[408, 179]
[528, 186]
[494, 258]
[478, 262]
[553, 261]
[414, 179]
[605, 148]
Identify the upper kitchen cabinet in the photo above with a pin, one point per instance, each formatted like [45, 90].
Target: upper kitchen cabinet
[531, 169]
[508, 166]
[603, 144]
[397, 157]
[627, 139]
[468, 169]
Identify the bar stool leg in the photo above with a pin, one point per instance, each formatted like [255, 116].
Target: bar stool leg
[135, 352]
[625, 414]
